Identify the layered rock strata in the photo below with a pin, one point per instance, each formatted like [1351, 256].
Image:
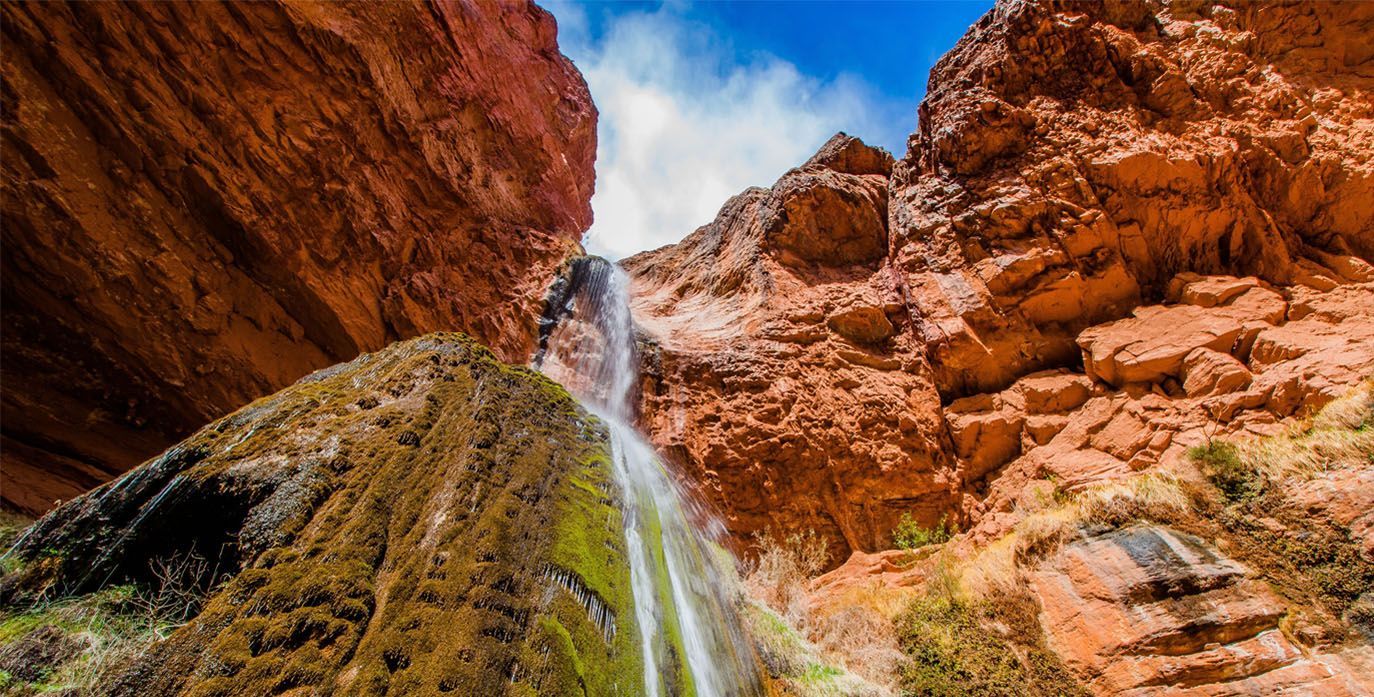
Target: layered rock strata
[1105, 205]
[421, 520]
[1073, 158]
[203, 203]
[1152, 611]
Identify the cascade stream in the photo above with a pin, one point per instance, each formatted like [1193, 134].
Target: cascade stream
[690, 635]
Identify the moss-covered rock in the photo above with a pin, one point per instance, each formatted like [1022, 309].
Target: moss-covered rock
[422, 520]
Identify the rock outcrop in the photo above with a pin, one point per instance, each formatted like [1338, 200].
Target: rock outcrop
[1073, 158]
[781, 375]
[1113, 229]
[1152, 611]
[203, 203]
[420, 520]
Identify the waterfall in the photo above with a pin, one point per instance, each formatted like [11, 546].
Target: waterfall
[689, 631]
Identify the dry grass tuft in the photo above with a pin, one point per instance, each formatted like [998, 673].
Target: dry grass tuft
[1339, 436]
[849, 651]
[79, 645]
[1156, 496]
[856, 629]
[778, 577]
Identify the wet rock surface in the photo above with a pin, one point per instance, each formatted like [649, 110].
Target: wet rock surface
[203, 203]
[423, 519]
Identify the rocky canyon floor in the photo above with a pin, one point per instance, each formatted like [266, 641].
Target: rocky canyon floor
[1073, 396]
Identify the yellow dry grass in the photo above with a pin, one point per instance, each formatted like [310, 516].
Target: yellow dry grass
[1340, 435]
[995, 569]
[848, 646]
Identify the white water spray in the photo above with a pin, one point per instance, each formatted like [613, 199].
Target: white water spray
[689, 633]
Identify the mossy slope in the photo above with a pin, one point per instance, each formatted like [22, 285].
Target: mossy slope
[422, 520]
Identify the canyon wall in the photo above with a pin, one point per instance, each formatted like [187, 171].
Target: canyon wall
[204, 202]
[1159, 214]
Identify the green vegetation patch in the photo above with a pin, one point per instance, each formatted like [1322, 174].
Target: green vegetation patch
[1235, 479]
[951, 651]
[911, 535]
[80, 644]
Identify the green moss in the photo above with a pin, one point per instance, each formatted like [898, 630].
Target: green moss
[819, 675]
[588, 541]
[402, 512]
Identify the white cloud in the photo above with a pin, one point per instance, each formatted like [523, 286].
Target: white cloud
[685, 124]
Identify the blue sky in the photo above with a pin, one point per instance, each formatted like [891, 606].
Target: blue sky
[701, 100]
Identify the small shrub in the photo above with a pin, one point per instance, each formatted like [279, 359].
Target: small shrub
[778, 577]
[910, 535]
[1222, 464]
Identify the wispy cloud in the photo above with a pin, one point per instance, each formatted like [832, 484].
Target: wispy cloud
[686, 122]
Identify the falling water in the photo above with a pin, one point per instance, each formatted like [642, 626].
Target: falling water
[689, 632]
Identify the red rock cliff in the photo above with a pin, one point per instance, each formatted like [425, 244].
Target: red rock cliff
[202, 202]
[832, 352]
[1073, 157]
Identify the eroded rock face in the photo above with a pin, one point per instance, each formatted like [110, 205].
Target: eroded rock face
[785, 383]
[1122, 230]
[203, 203]
[420, 520]
[1153, 611]
[1073, 158]
[1144, 199]
[1112, 432]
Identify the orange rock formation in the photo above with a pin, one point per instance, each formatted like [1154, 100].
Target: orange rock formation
[1168, 208]
[1122, 230]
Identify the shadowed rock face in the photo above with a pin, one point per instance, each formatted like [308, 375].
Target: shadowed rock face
[1134, 197]
[203, 203]
[421, 520]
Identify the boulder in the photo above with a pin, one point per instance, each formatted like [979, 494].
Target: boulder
[1054, 392]
[863, 324]
[1210, 291]
[986, 433]
[1207, 372]
[816, 215]
[1152, 345]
